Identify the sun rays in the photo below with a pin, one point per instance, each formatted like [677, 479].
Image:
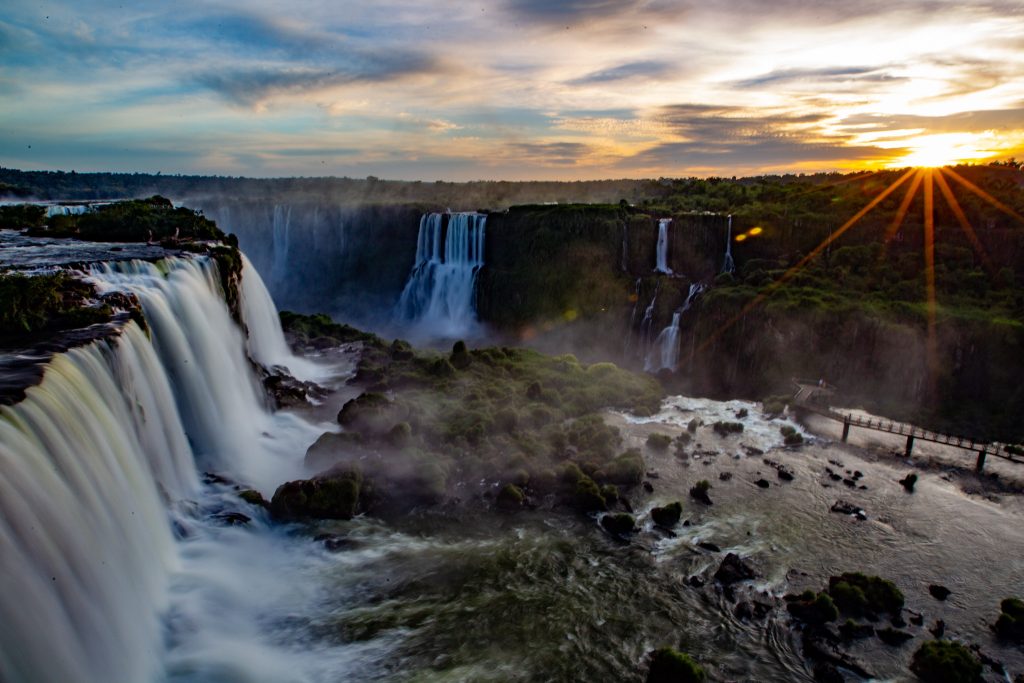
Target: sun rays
[920, 182]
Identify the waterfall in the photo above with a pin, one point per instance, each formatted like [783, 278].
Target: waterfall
[625, 247]
[632, 317]
[728, 266]
[281, 227]
[662, 249]
[664, 352]
[646, 323]
[439, 299]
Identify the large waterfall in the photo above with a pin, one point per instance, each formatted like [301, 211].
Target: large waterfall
[664, 352]
[439, 299]
[728, 265]
[99, 454]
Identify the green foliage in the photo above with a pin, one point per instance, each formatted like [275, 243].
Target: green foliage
[856, 594]
[816, 609]
[668, 515]
[31, 305]
[308, 329]
[1010, 624]
[943, 661]
[659, 442]
[22, 216]
[136, 220]
[587, 496]
[510, 497]
[619, 523]
[671, 666]
[726, 428]
[626, 470]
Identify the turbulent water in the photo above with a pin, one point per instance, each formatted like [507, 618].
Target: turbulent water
[120, 564]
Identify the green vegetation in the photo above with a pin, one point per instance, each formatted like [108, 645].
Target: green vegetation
[618, 524]
[1010, 624]
[726, 428]
[858, 595]
[659, 442]
[136, 220]
[668, 515]
[671, 666]
[496, 414]
[332, 495]
[790, 436]
[32, 306]
[699, 491]
[22, 217]
[812, 608]
[943, 661]
[510, 497]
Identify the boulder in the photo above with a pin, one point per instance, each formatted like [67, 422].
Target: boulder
[908, 482]
[619, 524]
[939, 592]
[667, 516]
[733, 569]
[671, 666]
[332, 495]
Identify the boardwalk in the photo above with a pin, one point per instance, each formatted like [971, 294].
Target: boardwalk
[814, 397]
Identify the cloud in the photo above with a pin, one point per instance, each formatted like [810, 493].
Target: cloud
[858, 73]
[631, 71]
[553, 153]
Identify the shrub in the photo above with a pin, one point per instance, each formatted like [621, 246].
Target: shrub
[627, 469]
[510, 497]
[726, 428]
[865, 594]
[400, 434]
[618, 524]
[587, 496]
[813, 609]
[667, 516]
[692, 425]
[671, 666]
[943, 661]
[659, 442]
[1010, 624]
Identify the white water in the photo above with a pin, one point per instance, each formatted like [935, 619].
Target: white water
[95, 459]
[661, 255]
[282, 223]
[664, 353]
[439, 299]
[728, 265]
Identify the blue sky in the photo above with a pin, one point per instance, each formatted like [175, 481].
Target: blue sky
[508, 89]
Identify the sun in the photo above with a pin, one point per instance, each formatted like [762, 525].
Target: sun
[944, 149]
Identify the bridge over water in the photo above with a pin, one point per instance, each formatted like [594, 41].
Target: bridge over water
[815, 396]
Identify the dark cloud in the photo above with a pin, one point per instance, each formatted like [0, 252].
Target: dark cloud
[557, 153]
[855, 73]
[633, 70]
[961, 122]
[716, 122]
[250, 86]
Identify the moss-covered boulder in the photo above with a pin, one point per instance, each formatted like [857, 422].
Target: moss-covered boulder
[369, 413]
[1010, 624]
[811, 608]
[332, 495]
[671, 666]
[726, 428]
[659, 442]
[587, 496]
[699, 491]
[668, 515]
[943, 661]
[856, 594]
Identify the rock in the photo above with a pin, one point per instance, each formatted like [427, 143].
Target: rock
[253, 497]
[709, 546]
[649, 487]
[724, 476]
[812, 608]
[826, 672]
[818, 648]
[943, 661]
[908, 482]
[733, 570]
[653, 474]
[858, 475]
[845, 508]
[670, 666]
[232, 518]
[832, 475]
[893, 637]
[851, 630]
[699, 492]
[1010, 624]
[785, 474]
[939, 592]
[619, 524]
[335, 543]
[762, 483]
[667, 516]
[938, 629]
[916, 618]
[696, 581]
[850, 482]
[332, 495]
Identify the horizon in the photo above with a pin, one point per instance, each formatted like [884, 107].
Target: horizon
[520, 91]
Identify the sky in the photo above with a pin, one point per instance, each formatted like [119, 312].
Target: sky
[508, 89]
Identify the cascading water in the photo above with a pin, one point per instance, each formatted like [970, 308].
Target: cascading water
[664, 352]
[661, 265]
[646, 325]
[728, 266]
[282, 223]
[439, 299]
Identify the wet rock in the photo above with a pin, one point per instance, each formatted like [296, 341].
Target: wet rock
[818, 648]
[812, 608]
[942, 661]
[851, 630]
[510, 498]
[826, 672]
[699, 492]
[709, 546]
[733, 569]
[253, 497]
[908, 482]
[1010, 624]
[670, 666]
[653, 474]
[916, 618]
[620, 524]
[336, 543]
[893, 637]
[724, 476]
[232, 518]
[667, 516]
[938, 629]
[858, 475]
[846, 508]
[696, 581]
[762, 483]
[649, 487]
[850, 482]
[785, 474]
[832, 475]
[939, 592]
[331, 495]
[213, 478]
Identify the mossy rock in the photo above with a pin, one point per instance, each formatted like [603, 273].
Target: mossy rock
[699, 491]
[671, 666]
[253, 497]
[460, 358]
[400, 434]
[857, 594]
[659, 442]
[668, 515]
[332, 495]
[726, 428]
[1010, 624]
[367, 412]
[816, 609]
[510, 497]
[943, 661]
[626, 470]
[587, 496]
